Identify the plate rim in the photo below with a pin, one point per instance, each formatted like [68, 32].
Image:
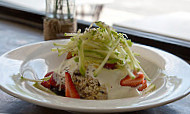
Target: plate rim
[87, 109]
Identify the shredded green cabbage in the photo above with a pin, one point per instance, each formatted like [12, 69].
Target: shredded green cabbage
[101, 45]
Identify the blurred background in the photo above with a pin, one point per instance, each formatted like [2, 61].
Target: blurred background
[166, 17]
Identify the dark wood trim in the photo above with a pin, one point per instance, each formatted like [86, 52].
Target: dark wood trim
[175, 46]
[153, 36]
[21, 15]
[20, 12]
[35, 19]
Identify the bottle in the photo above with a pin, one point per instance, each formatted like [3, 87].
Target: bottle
[60, 19]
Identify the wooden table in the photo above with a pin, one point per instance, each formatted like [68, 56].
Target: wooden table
[13, 35]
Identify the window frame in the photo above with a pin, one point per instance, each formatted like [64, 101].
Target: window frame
[34, 19]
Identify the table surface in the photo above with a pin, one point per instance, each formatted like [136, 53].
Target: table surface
[13, 35]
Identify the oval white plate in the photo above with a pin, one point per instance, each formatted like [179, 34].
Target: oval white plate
[169, 73]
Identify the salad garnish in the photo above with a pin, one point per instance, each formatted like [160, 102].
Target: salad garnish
[102, 48]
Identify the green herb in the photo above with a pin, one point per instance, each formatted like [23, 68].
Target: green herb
[34, 80]
[101, 45]
[39, 86]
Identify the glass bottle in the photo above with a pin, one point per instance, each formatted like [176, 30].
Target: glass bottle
[60, 19]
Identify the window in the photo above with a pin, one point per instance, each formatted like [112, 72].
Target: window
[164, 24]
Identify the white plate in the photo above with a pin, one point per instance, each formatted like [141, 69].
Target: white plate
[171, 75]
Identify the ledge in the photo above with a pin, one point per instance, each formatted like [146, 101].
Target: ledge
[35, 19]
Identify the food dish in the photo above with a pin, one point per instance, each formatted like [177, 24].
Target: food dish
[38, 59]
[99, 65]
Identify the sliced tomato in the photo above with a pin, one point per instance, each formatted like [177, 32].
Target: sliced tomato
[51, 82]
[69, 55]
[127, 81]
[70, 90]
[48, 74]
[46, 84]
[143, 86]
[110, 66]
